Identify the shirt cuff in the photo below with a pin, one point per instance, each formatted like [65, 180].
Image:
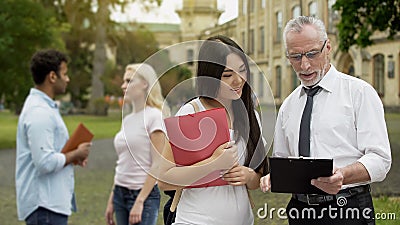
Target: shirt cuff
[61, 159]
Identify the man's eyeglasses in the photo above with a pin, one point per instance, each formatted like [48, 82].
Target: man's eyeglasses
[309, 55]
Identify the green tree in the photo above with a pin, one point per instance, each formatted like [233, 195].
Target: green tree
[101, 25]
[360, 19]
[91, 32]
[26, 26]
[79, 40]
[132, 46]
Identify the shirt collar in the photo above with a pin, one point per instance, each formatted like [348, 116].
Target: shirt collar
[328, 81]
[44, 96]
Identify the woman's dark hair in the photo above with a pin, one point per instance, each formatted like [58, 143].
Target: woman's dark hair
[211, 63]
[45, 61]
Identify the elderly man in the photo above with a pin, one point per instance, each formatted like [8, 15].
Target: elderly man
[330, 115]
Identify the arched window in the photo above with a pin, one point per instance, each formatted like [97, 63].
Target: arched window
[262, 39]
[263, 3]
[278, 76]
[251, 38]
[279, 25]
[189, 56]
[261, 85]
[379, 74]
[312, 9]
[244, 7]
[332, 16]
[296, 11]
[252, 6]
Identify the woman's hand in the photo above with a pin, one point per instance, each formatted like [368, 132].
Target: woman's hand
[238, 175]
[109, 214]
[226, 156]
[135, 216]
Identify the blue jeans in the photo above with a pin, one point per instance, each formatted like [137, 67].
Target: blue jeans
[42, 216]
[123, 202]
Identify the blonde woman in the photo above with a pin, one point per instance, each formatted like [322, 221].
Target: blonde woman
[135, 198]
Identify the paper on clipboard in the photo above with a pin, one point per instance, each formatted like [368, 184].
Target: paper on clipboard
[194, 137]
[80, 135]
[294, 174]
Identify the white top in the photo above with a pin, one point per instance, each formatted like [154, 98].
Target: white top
[347, 124]
[133, 147]
[220, 205]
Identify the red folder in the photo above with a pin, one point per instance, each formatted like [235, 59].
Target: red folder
[194, 137]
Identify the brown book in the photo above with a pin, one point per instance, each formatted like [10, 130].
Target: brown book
[80, 135]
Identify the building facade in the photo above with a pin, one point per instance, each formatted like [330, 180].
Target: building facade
[260, 25]
[258, 29]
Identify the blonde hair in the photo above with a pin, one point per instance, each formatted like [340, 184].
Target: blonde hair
[148, 74]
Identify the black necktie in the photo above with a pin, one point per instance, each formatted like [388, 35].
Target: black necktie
[304, 134]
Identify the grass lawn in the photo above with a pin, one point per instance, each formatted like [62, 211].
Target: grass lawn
[93, 184]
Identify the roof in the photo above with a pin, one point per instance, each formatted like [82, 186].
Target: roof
[156, 27]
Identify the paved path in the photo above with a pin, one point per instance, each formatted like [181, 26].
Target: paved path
[102, 153]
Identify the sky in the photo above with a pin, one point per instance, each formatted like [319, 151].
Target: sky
[166, 12]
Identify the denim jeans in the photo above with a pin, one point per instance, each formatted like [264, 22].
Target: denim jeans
[42, 216]
[123, 202]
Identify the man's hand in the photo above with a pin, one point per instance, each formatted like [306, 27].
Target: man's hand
[79, 155]
[265, 183]
[330, 185]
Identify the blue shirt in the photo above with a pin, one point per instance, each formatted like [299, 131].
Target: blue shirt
[41, 178]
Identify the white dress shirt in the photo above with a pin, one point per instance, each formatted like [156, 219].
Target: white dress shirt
[347, 124]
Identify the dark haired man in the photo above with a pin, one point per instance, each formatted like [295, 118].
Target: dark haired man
[45, 176]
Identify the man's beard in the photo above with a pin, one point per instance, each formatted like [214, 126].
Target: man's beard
[315, 80]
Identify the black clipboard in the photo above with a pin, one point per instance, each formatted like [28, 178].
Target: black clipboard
[293, 175]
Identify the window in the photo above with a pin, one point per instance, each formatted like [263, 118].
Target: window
[251, 44]
[296, 11]
[332, 16]
[251, 80]
[261, 85]
[252, 5]
[263, 3]
[379, 74]
[278, 26]
[262, 40]
[312, 9]
[243, 37]
[278, 87]
[244, 7]
[189, 56]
